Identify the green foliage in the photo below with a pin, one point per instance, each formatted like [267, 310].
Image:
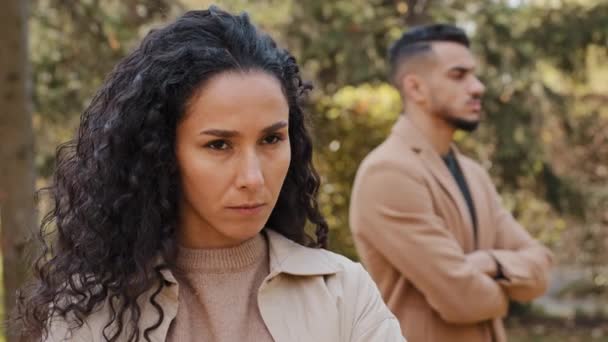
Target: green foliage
[348, 124]
[545, 140]
[545, 65]
[343, 42]
[74, 44]
[544, 113]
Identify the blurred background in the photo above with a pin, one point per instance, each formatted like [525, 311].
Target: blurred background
[544, 139]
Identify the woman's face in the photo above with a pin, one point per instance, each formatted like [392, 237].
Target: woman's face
[233, 152]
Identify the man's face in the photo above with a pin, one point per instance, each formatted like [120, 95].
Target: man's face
[454, 90]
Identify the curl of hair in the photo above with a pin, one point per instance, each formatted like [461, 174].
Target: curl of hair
[116, 186]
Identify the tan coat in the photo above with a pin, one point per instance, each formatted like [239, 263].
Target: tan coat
[414, 234]
[309, 295]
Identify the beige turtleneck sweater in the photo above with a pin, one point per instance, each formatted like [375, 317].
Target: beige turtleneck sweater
[218, 293]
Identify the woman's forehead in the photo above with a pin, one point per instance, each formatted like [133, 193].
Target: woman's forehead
[238, 101]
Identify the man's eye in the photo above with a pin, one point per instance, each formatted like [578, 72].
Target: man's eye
[218, 145]
[458, 75]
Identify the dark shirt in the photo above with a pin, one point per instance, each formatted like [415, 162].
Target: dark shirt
[452, 164]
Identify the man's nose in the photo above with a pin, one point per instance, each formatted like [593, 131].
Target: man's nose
[477, 87]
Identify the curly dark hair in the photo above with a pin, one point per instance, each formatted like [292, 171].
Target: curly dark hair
[115, 187]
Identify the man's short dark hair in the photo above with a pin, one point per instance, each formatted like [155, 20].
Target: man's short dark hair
[418, 40]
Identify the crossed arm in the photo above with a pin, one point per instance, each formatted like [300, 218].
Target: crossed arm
[461, 288]
[523, 261]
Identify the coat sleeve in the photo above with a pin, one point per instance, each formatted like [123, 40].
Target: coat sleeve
[525, 263]
[392, 211]
[373, 321]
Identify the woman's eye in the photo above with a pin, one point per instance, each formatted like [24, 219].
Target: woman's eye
[272, 139]
[218, 145]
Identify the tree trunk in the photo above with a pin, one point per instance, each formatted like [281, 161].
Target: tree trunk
[17, 174]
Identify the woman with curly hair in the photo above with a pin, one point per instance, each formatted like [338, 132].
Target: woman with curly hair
[181, 207]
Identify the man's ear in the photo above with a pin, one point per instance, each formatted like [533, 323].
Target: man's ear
[414, 87]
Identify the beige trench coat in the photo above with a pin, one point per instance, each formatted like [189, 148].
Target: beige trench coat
[309, 295]
[414, 233]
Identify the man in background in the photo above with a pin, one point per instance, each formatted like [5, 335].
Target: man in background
[427, 221]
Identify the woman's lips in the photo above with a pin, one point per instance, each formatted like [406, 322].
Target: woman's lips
[248, 209]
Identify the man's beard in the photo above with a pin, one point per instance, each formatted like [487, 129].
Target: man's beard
[448, 116]
[462, 124]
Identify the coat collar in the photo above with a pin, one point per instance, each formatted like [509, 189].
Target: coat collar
[292, 258]
[409, 134]
[407, 131]
[288, 257]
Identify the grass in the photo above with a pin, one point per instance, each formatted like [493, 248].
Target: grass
[560, 335]
[539, 330]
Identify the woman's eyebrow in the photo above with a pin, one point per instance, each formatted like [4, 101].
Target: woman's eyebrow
[223, 133]
[275, 126]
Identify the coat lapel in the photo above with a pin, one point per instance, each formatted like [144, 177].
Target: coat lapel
[481, 203]
[291, 298]
[294, 295]
[434, 164]
[289, 257]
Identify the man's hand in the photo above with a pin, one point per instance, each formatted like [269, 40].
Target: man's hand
[483, 261]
